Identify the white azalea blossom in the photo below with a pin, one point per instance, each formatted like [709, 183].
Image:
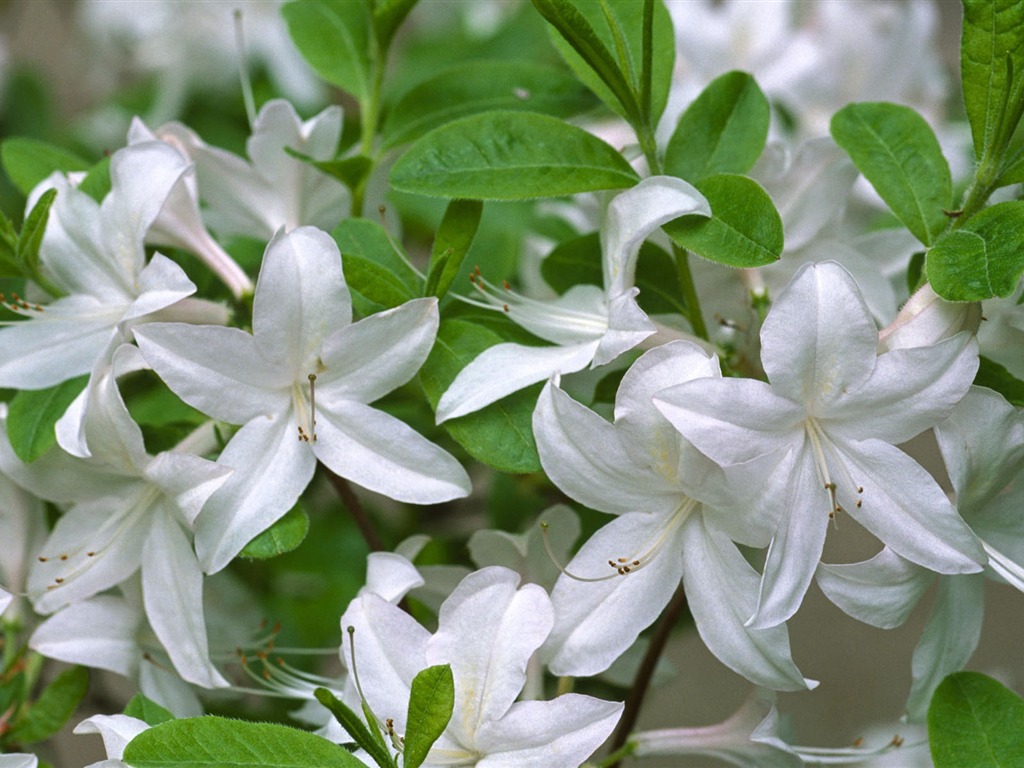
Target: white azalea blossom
[982, 443]
[116, 731]
[591, 326]
[299, 385]
[93, 253]
[128, 511]
[487, 631]
[677, 522]
[831, 416]
[271, 190]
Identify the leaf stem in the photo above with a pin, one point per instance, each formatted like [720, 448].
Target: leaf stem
[355, 508]
[689, 291]
[644, 674]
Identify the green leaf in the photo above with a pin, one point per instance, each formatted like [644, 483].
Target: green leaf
[29, 161]
[431, 702]
[579, 261]
[54, 707]
[723, 131]
[982, 259]
[217, 742]
[744, 230]
[369, 258]
[333, 38]
[355, 727]
[33, 414]
[480, 86]
[377, 283]
[992, 31]
[975, 722]
[509, 156]
[147, 710]
[898, 153]
[995, 376]
[602, 41]
[97, 182]
[454, 237]
[388, 15]
[500, 435]
[283, 536]
[26, 252]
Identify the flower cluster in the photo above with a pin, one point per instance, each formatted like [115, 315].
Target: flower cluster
[207, 357]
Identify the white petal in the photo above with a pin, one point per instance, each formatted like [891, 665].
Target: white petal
[633, 215]
[561, 733]
[881, 591]
[390, 650]
[368, 359]
[272, 468]
[216, 370]
[94, 546]
[160, 683]
[116, 730]
[949, 639]
[595, 622]
[819, 340]
[628, 325]
[18, 760]
[98, 633]
[506, 368]
[390, 575]
[5, 599]
[172, 588]
[301, 298]
[64, 341]
[161, 284]
[386, 455]
[487, 630]
[904, 507]
[187, 479]
[721, 592]
[909, 390]
[585, 457]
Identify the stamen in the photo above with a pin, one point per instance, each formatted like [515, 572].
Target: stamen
[1008, 569]
[821, 444]
[312, 404]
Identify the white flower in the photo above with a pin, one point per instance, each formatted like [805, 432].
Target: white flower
[831, 416]
[591, 326]
[487, 631]
[299, 385]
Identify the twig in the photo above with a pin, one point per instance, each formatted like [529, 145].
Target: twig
[351, 502]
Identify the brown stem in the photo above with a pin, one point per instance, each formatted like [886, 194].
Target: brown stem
[642, 681]
[351, 502]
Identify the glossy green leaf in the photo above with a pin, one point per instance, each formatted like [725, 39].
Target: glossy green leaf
[602, 41]
[33, 414]
[54, 707]
[333, 37]
[744, 230]
[898, 153]
[355, 728]
[723, 131]
[481, 86]
[500, 435]
[992, 31]
[97, 183]
[995, 376]
[26, 253]
[388, 15]
[370, 263]
[579, 261]
[975, 722]
[454, 237]
[283, 536]
[147, 710]
[350, 171]
[9, 265]
[217, 742]
[28, 161]
[431, 702]
[510, 156]
[982, 259]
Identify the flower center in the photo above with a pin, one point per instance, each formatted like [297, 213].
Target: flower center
[624, 565]
[306, 426]
[824, 450]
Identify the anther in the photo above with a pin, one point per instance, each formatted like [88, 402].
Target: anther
[312, 405]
